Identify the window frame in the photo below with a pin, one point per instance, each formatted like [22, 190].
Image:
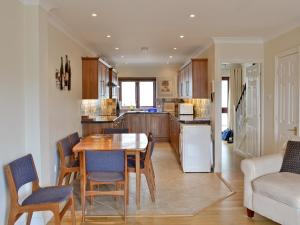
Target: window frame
[225, 109]
[137, 80]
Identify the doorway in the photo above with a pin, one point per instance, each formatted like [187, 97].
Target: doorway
[242, 115]
[287, 97]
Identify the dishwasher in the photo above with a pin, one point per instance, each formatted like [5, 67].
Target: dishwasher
[195, 148]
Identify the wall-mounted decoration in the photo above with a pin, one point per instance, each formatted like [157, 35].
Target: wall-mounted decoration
[63, 75]
[166, 88]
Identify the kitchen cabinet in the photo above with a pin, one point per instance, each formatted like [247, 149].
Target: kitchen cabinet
[174, 132]
[96, 77]
[193, 79]
[94, 128]
[136, 122]
[158, 125]
[90, 78]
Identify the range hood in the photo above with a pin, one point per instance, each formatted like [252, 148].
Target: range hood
[111, 84]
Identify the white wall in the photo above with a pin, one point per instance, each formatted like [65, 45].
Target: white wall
[34, 113]
[12, 132]
[160, 72]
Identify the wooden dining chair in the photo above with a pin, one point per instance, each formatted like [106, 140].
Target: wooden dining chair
[74, 139]
[68, 163]
[146, 166]
[115, 130]
[106, 167]
[23, 171]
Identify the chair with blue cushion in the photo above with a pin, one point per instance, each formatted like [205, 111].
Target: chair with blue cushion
[74, 139]
[115, 130]
[106, 167]
[146, 166]
[23, 171]
[68, 163]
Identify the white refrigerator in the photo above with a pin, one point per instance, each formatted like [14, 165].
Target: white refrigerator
[195, 148]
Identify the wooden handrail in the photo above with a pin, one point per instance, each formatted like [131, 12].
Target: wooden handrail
[241, 97]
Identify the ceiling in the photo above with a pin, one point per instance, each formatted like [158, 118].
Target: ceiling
[157, 24]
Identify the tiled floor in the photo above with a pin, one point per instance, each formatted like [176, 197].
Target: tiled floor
[177, 193]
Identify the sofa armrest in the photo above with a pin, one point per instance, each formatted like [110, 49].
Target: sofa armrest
[256, 167]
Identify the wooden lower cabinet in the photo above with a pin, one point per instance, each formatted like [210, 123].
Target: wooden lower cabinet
[174, 133]
[157, 124]
[95, 128]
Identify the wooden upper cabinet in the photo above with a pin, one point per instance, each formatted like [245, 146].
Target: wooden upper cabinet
[193, 79]
[90, 78]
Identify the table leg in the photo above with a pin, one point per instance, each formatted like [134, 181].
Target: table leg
[82, 183]
[138, 178]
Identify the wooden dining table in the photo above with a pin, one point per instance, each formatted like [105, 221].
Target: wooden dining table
[132, 143]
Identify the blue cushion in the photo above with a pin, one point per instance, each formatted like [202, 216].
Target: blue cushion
[23, 171]
[105, 161]
[131, 163]
[49, 195]
[74, 139]
[66, 146]
[106, 176]
[115, 130]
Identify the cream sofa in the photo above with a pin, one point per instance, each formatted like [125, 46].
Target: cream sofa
[270, 193]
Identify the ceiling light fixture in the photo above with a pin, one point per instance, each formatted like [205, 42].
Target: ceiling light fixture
[94, 14]
[170, 56]
[108, 36]
[175, 48]
[181, 36]
[192, 15]
[122, 56]
[116, 48]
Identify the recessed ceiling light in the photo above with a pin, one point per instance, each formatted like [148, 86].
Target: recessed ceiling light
[181, 36]
[170, 56]
[192, 15]
[108, 36]
[94, 14]
[122, 56]
[116, 48]
[175, 48]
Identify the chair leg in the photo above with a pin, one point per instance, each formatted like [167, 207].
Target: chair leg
[12, 217]
[150, 185]
[152, 176]
[61, 178]
[68, 178]
[73, 211]
[29, 216]
[57, 220]
[127, 192]
[125, 200]
[250, 213]
[92, 197]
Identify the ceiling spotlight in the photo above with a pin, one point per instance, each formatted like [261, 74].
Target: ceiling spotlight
[94, 14]
[175, 48]
[116, 48]
[108, 36]
[122, 56]
[170, 56]
[181, 36]
[192, 15]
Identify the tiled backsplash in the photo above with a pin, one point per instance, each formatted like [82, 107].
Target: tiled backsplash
[201, 107]
[93, 108]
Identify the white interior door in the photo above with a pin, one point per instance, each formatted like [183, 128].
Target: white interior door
[253, 110]
[287, 99]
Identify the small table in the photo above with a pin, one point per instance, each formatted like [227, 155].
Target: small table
[132, 143]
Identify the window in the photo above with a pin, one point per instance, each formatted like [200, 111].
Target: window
[225, 96]
[137, 92]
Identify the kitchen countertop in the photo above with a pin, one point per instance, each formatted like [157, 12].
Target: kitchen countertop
[185, 119]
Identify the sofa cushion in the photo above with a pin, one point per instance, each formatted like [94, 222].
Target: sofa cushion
[291, 159]
[282, 187]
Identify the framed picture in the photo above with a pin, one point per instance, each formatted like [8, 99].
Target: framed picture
[166, 88]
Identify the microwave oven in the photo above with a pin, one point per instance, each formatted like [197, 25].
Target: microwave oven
[185, 109]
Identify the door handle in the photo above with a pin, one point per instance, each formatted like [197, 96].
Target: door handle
[295, 129]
